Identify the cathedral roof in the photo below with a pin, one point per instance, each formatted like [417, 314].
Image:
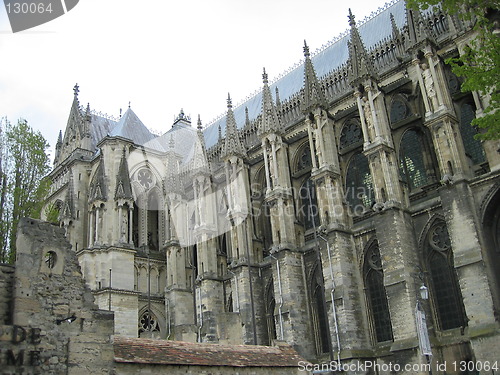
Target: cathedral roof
[329, 58]
[131, 127]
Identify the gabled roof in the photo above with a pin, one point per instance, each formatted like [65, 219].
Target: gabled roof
[179, 353]
[131, 127]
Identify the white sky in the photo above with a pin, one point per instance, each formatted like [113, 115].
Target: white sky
[160, 55]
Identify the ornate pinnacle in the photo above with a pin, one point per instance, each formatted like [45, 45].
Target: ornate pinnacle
[76, 90]
[199, 123]
[352, 22]
[306, 49]
[264, 77]
[229, 102]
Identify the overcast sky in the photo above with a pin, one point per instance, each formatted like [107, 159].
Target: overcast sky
[160, 55]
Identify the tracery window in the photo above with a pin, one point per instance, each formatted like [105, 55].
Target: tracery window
[399, 110]
[148, 323]
[309, 205]
[473, 148]
[376, 295]
[445, 291]
[359, 183]
[351, 134]
[412, 165]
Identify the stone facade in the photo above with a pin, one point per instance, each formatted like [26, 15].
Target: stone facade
[312, 213]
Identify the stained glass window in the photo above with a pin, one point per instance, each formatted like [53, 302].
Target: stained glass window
[399, 110]
[351, 133]
[309, 205]
[377, 297]
[359, 183]
[445, 291]
[411, 159]
[473, 148]
[148, 323]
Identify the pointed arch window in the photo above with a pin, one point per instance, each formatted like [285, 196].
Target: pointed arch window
[445, 291]
[309, 205]
[473, 147]
[414, 161]
[359, 183]
[320, 325]
[376, 295]
[270, 318]
[351, 134]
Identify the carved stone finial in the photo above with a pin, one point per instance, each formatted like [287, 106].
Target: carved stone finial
[264, 77]
[76, 90]
[306, 49]
[229, 102]
[351, 17]
[200, 126]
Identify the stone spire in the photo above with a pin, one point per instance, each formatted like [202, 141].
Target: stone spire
[271, 122]
[313, 93]
[98, 184]
[199, 162]
[58, 148]
[232, 144]
[123, 185]
[361, 64]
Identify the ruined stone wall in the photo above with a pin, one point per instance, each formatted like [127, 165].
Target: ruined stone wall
[57, 328]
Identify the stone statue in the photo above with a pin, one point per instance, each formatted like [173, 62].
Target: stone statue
[429, 87]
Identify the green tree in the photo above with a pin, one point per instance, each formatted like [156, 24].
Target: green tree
[479, 65]
[23, 164]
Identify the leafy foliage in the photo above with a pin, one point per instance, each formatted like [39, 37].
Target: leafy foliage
[23, 164]
[480, 62]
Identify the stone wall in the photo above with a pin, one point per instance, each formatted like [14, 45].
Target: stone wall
[56, 327]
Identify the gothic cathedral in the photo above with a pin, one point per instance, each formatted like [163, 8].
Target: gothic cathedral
[315, 212]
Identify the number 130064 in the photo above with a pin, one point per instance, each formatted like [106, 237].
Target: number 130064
[28, 8]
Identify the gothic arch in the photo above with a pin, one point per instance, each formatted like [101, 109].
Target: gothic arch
[400, 108]
[376, 296]
[473, 147]
[440, 275]
[318, 314]
[301, 159]
[490, 221]
[159, 323]
[270, 306]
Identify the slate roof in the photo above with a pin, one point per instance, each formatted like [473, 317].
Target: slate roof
[131, 127]
[325, 61]
[167, 352]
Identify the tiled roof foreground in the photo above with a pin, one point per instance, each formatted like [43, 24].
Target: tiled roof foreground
[167, 352]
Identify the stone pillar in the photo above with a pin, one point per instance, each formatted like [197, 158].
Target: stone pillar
[297, 329]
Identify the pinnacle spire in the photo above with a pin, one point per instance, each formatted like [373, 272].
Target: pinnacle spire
[313, 93]
[270, 122]
[76, 90]
[361, 64]
[200, 126]
[123, 185]
[232, 144]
